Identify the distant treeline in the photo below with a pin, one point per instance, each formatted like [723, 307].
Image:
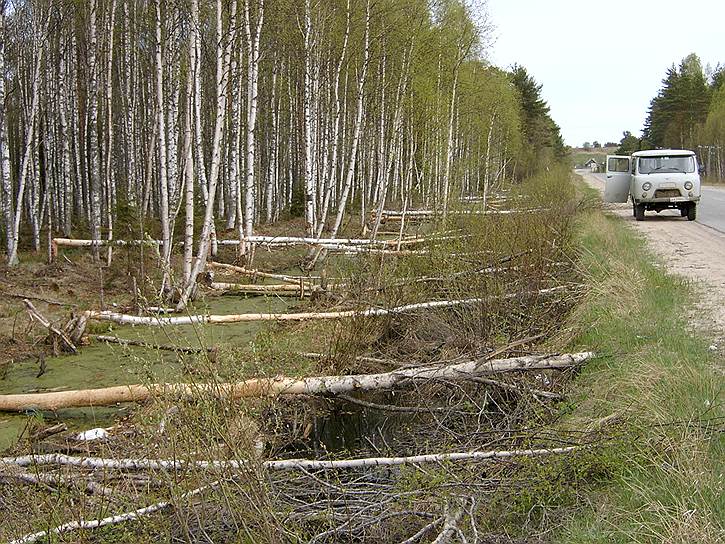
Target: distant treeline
[689, 113]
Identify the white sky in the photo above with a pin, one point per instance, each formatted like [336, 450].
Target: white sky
[601, 62]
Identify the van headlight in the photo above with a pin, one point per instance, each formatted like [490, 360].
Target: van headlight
[688, 185]
[646, 186]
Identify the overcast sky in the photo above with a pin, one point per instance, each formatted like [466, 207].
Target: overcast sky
[601, 63]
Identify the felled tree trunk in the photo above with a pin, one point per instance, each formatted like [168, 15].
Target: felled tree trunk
[285, 290]
[266, 387]
[257, 273]
[157, 321]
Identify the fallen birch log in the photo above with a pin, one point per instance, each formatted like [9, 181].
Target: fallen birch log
[353, 250]
[255, 288]
[487, 271]
[258, 273]
[332, 246]
[73, 242]
[99, 463]
[286, 290]
[303, 240]
[52, 481]
[292, 464]
[127, 319]
[163, 347]
[269, 387]
[393, 214]
[110, 520]
[422, 532]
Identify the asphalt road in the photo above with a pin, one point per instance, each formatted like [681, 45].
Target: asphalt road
[710, 212]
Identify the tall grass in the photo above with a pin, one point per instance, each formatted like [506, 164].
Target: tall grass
[657, 387]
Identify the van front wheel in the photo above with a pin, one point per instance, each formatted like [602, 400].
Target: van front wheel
[639, 212]
[691, 211]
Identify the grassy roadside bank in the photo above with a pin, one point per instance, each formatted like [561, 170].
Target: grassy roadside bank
[657, 387]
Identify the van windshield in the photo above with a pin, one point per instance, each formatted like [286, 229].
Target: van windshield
[681, 164]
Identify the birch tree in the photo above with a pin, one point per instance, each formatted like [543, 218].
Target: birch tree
[222, 77]
[314, 105]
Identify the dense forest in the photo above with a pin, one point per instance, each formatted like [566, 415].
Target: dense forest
[190, 117]
[688, 112]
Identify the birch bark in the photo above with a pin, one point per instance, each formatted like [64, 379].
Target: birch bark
[38, 51]
[357, 129]
[335, 136]
[110, 178]
[93, 153]
[309, 172]
[253, 39]
[222, 76]
[5, 168]
[189, 170]
[163, 174]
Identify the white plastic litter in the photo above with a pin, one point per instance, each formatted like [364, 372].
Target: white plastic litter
[93, 434]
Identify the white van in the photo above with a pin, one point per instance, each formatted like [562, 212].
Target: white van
[655, 180]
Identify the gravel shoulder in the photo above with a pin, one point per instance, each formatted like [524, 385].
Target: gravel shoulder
[690, 249]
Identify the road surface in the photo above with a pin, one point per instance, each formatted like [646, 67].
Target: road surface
[710, 212]
[695, 250]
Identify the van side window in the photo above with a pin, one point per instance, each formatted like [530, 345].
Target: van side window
[618, 165]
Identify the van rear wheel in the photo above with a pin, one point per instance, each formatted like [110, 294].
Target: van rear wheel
[639, 212]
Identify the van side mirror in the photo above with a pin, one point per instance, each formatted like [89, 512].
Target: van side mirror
[701, 169]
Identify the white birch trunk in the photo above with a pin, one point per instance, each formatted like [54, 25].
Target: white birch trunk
[93, 152]
[356, 130]
[163, 173]
[189, 157]
[234, 186]
[449, 146]
[63, 108]
[5, 168]
[222, 77]
[309, 170]
[253, 39]
[110, 178]
[273, 166]
[335, 137]
[28, 151]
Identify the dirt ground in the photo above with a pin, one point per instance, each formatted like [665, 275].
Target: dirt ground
[689, 249]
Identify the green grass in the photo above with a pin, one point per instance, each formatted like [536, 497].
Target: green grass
[656, 388]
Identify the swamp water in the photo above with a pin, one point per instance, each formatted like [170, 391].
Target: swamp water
[104, 365]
